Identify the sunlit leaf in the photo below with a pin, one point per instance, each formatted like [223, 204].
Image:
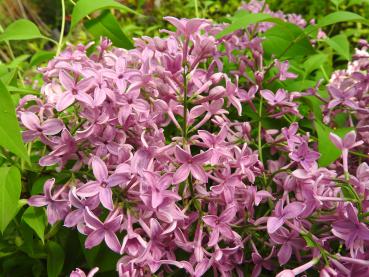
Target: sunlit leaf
[85, 7]
[10, 133]
[10, 189]
[341, 16]
[21, 29]
[341, 45]
[107, 26]
[287, 40]
[244, 19]
[41, 57]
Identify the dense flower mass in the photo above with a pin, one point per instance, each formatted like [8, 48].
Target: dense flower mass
[168, 169]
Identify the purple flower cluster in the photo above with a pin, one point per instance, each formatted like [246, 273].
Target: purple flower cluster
[165, 170]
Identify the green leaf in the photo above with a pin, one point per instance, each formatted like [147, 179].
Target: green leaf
[328, 151]
[36, 219]
[309, 241]
[85, 7]
[314, 62]
[299, 85]
[107, 26]
[10, 133]
[10, 190]
[358, 2]
[55, 259]
[337, 3]
[244, 19]
[21, 29]
[90, 254]
[41, 57]
[22, 90]
[349, 192]
[341, 45]
[15, 63]
[8, 76]
[341, 16]
[314, 105]
[288, 41]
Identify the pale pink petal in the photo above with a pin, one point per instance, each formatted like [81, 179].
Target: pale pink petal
[181, 155]
[92, 220]
[112, 241]
[30, 121]
[293, 210]
[349, 139]
[65, 100]
[155, 228]
[214, 237]
[85, 84]
[211, 220]
[203, 157]
[198, 172]
[37, 201]
[52, 126]
[99, 169]
[113, 224]
[284, 254]
[336, 140]
[105, 196]
[181, 174]
[95, 238]
[157, 198]
[228, 214]
[73, 218]
[89, 189]
[85, 98]
[66, 80]
[274, 223]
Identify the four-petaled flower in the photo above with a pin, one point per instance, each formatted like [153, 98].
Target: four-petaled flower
[220, 225]
[73, 88]
[305, 156]
[35, 128]
[341, 97]
[57, 207]
[155, 189]
[351, 230]
[193, 165]
[103, 184]
[281, 214]
[98, 231]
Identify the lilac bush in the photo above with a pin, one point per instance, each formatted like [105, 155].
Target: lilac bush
[168, 168]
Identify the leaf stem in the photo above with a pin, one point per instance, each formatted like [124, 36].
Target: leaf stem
[259, 130]
[196, 8]
[62, 29]
[185, 103]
